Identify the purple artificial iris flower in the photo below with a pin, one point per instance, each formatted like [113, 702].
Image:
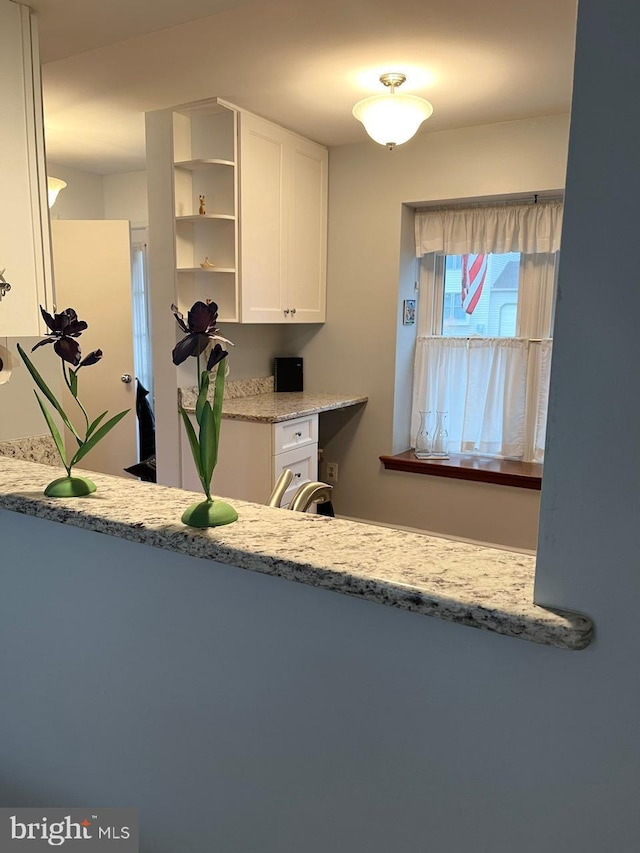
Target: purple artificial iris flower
[216, 355]
[200, 329]
[93, 358]
[64, 328]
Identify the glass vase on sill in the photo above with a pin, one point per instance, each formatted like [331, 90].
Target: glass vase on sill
[439, 445]
[422, 448]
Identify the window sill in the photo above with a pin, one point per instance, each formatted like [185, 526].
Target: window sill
[483, 469]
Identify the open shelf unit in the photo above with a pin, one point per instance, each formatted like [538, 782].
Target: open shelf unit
[205, 149]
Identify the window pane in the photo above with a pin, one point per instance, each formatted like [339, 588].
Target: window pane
[481, 295]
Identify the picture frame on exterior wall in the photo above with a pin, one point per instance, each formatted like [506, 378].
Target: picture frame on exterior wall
[408, 312]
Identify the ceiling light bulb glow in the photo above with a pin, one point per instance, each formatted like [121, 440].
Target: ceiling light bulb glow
[392, 119]
[54, 185]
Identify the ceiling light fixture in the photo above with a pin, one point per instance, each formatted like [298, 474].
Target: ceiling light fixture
[392, 119]
[54, 185]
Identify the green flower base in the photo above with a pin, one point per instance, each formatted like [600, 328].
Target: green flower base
[209, 514]
[70, 487]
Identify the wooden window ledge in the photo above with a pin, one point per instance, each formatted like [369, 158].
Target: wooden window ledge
[483, 469]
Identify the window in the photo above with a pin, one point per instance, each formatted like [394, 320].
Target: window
[486, 320]
[481, 311]
[484, 326]
[511, 295]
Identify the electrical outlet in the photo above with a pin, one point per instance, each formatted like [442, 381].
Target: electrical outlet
[332, 472]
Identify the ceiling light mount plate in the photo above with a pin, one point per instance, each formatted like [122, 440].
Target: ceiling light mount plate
[393, 79]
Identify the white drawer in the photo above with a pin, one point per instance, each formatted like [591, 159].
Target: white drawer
[296, 433]
[303, 461]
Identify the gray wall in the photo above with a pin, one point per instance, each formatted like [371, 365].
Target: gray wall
[589, 549]
[363, 347]
[241, 712]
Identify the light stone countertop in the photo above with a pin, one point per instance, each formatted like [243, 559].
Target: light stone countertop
[272, 407]
[35, 448]
[472, 585]
[285, 405]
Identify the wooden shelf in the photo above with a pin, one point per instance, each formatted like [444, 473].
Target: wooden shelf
[194, 165]
[199, 269]
[198, 216]
[503, 472]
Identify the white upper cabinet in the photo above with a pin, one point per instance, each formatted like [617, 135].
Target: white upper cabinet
[24, 221]
[264, 191]
[237, 214]
[283, 209]
[307, 231]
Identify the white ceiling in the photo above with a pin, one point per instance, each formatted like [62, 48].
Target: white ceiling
[302, 63]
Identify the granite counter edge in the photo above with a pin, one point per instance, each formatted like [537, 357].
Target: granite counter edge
[285, 416]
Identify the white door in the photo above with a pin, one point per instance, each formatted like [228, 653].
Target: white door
[92, 266]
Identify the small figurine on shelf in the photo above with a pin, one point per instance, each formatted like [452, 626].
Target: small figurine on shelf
[201, 209]
[206, 264]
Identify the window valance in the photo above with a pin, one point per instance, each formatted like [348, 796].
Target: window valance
[526, 228]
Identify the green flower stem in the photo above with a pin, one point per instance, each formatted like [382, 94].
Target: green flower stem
[206, 486]
[82, 408]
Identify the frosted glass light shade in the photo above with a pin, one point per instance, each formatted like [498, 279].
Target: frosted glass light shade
[54, 185]
[392, 119]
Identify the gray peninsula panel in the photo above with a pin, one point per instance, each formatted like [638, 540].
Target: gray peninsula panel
[477, 586]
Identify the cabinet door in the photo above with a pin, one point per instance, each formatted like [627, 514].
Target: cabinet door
[23, 215]
[263, 195]
[307, 226]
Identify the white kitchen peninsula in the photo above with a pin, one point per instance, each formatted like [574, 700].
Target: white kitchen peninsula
[272, 675]
[473, 585]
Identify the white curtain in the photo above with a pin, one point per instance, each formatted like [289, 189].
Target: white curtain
[481, 384]
[541, 401]
[525, 228]
[141, 315]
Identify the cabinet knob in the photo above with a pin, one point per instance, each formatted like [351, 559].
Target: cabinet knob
[286, 310]
[298, 474]
[298, 434]
[293, 310]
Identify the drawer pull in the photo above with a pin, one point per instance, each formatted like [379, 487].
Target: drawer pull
[298, 474]
[298, 434]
